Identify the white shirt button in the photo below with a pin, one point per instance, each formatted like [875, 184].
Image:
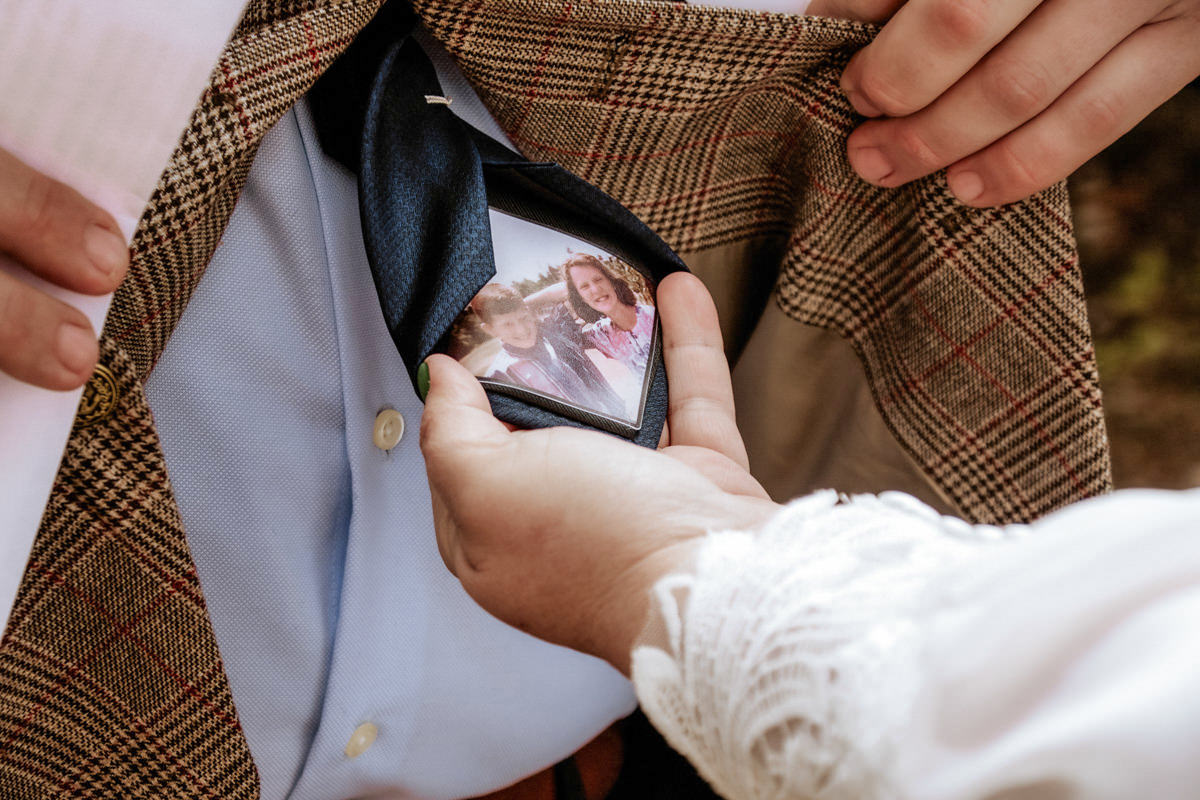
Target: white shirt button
[361, 740]
[389, 428]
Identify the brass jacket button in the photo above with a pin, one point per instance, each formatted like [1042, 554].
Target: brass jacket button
[100, 396]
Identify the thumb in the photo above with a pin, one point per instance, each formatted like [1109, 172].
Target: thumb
[450, 383]
[457, 415]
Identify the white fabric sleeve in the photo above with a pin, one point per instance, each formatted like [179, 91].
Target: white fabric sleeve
[867, 647]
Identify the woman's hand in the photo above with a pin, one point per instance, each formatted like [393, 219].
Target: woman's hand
[1011, 95]
[562, 532]
[61, 237]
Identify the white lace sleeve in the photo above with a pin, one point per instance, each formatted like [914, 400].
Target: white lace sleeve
[871, 648]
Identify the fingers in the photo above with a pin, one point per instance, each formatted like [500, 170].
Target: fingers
[1130, 82]
[43, 341]
[925, 48]
[701, 395]
[861, 10]
[1011, 95]
[456, 424]
[1016, 81]
[57, 234]
[457, 412]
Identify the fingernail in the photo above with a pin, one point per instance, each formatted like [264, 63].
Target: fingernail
[870, 163]
[105, 248]
[77, 348]
[423, 380]
[966, 186]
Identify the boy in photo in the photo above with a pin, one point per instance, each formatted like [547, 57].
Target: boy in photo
[538, 358]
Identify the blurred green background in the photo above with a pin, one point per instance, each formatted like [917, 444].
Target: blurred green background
[1137, 218]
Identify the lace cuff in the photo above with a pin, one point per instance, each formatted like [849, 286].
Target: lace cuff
[786, 663]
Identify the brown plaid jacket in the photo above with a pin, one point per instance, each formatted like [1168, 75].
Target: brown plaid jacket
[724, 130]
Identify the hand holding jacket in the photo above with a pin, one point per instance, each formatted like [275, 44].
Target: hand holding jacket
[62, 238]
[1011, 96]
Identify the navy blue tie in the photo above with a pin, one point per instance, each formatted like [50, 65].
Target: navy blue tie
[426, 181]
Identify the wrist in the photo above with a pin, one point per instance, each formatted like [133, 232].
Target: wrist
[621, 620]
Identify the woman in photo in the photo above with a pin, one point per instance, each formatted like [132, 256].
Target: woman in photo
[617, 324]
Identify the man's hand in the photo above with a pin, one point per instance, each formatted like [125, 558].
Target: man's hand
[58, 235]
[562, 532]
[1011, 95]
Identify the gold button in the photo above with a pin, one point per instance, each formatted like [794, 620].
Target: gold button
[100, 396]
[389, 428]
[361, 740]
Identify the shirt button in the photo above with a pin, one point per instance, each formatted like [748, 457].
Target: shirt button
[389, 428]
[361, 740]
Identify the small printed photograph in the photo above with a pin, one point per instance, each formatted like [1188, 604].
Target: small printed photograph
[562, 318]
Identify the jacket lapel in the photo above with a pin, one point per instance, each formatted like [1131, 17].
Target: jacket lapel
[721, 128]
[277, 52]
[110, 680]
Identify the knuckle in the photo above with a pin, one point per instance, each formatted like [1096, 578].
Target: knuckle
[1019, 90]
[882, 9]
[1180, 9]
[1020, 174]
[916, 149]
[884, 94]
[14, 324]
[40, 209]
[960, 24]
[1101, 113]
[874, 10]
[8, 321]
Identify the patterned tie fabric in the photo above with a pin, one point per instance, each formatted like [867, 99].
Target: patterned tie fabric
[715, 126]
[426, 181]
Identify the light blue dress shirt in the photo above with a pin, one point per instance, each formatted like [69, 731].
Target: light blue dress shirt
[315, 548]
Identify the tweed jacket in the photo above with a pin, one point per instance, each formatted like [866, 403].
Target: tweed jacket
[964, 331]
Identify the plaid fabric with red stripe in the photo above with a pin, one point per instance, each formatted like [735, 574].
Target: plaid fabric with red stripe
[714, 126]
[718, 126]
[111, 685]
